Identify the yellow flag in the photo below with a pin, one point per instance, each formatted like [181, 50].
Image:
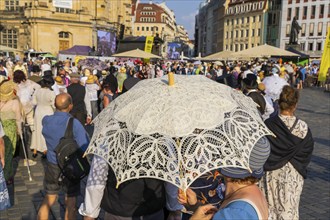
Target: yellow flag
[325, 62]
[149, 43]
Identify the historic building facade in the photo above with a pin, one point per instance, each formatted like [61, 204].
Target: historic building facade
[244, 25]
[209, 27]
[153, 19]
[313, 16]
[51, 26]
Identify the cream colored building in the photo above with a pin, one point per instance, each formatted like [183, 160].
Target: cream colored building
[55, 25]
[244, 24]
[152, 19]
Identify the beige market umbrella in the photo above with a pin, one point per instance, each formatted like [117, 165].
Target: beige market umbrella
[264, 51]
[223, 55]
[137, 53]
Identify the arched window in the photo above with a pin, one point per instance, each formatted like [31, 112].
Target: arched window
[9, 38]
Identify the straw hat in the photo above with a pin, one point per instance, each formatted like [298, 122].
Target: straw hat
[104, 73]
[122, 70]
[87, 72]
[261, 87]
[2, 78]
[7, 91]
[74, 75]
[59, 80]
[91, 79]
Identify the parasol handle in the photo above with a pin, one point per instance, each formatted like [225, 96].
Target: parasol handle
[171, 79]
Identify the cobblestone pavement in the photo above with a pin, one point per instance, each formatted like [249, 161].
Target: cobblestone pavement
[314, 108]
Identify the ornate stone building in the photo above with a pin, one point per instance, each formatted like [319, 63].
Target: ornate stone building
[53, 25]
[314, 18]
[244, 25]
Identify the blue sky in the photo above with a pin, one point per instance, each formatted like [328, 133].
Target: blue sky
[184, 10]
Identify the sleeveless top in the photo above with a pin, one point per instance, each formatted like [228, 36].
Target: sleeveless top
[239, 209]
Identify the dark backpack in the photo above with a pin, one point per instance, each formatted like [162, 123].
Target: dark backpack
[70, 156]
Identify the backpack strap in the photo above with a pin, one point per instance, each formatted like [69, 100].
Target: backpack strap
[69, 128]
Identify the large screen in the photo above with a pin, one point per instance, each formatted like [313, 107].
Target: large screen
[173, 51]
[106, 43]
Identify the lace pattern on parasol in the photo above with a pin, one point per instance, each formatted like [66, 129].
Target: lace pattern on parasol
[177, 160]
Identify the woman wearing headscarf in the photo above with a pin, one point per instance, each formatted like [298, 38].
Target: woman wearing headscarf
[43, 99]
[11, 119]
[291, 152]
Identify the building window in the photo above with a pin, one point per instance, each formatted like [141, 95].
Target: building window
[319, 46]
[304, 13]
[297, 1]
[297, 13]
[226, 47]
[321, 11]
[252, 33]
[9, 38]
[248, 20]
[247, 33]
[302, 46]
[252, 45]
[259, 18]
[303, 29]
[12, 5]
[289, 14]
[227, 22]
[138, 28]
[227, 35]
[259, 32]
[242, 33]
[311, 46]
[242, 47]
[246, 46]
[311, 29]
[290, 1]
[243, 20]
[236, 34]
[147, 28]
[231, 47]
[319, 29]
[142, 28]
[64, 10]
[287, 32]
[313, 12]
[254, 18]
[329, 11]
[237, 21]
[236, 47]
[63, 34]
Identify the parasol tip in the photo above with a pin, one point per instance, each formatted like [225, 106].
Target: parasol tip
[171, 79]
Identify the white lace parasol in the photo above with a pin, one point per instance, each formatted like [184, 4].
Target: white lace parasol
[176, 133]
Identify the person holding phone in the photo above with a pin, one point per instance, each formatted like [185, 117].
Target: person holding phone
[243, 198]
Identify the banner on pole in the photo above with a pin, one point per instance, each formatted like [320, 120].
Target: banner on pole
[148, 44]
[325, 61]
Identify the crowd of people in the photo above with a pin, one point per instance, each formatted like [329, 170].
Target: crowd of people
[37, 98]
